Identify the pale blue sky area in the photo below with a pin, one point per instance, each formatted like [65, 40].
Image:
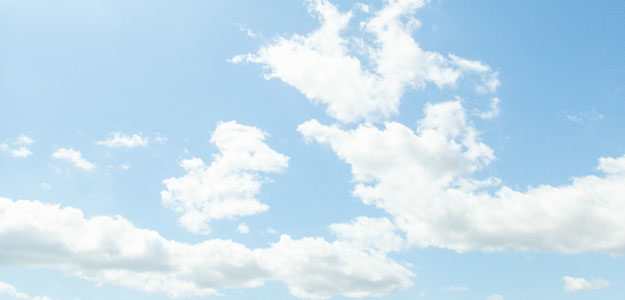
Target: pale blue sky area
[74, 73]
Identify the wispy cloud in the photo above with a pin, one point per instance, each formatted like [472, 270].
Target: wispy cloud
[577, 284]
[243, 228]
[18, 147]
[73, 156]
[247, 30]
[117, 140]
[583, 117]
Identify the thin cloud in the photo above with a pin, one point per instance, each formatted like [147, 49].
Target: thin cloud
[74, 157]
[18, 147]
[117, 140]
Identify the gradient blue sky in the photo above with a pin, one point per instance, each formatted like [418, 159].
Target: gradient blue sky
[72, 73]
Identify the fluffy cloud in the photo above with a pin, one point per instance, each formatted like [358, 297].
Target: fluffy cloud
[116, 140]
[227, 187]
[572, 284]
[425, 180]
[112, 250]
[325, 66]
[73, 156]
[18, 147]
[314, 268]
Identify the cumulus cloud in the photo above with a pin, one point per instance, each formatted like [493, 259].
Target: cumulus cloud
[18, 147]
[117, 140]
[324, 66]
[73, 156]
[573, 284]
[228, 187]
[112, 250]
[425, 179]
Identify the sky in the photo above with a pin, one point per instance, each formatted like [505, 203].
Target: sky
[398, 149]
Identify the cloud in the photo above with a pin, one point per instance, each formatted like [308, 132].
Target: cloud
[366, 81]
[495, 297]
[584, 117]
[247, 30]
[314, 268]
[243, 228]
[73, 156]
[228, 187]
[9, 290]
[112, 250]
[425, 179]
[159, 138]
[117, 140]
[372, 234]
[493, 111]
[572, 284]
[18, 147]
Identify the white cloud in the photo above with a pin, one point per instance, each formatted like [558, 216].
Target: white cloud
[116, 140]
[369, 234]
[243, 228]
[228, 187]
[112, 250]
[18, 147]
[425, 179]
[247, 30]
[493, 111]
[583, 117]
[314, 268]
[323, 66]
[9, 290]
[572, 284]
[46, 186]
[495, 297]
[73, 156]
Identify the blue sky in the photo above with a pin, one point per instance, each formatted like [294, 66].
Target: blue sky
[312, 149]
